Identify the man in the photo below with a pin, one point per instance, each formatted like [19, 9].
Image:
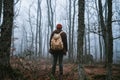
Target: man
[58, 53]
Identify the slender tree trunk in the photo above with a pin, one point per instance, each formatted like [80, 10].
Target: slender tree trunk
[1, 4]
[73, 25]
[50, 15]
[95, 49]
[32, 33]
[107, 36]
[103, 28]
[99, 31]
[70, 39]
[26, 37]
[40, 38]
[37, 29]
[50, 21]
[85, 49]
[100, 46]
[88, 31]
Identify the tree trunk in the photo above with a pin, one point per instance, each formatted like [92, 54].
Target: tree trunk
[80, 38]
[50, 21]
[81, 29]
[88, 16]
[95, 48]
[103, 28]
[107, 36]
[110, 41]
[73, 25]
[32, 33]
[1, 3]
[5, 40]
[70, 37]
[50, 15]
[100, 46]
[39, 28]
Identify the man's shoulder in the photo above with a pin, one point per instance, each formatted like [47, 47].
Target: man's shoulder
[63, 32]
[55, 31]
[58, 31]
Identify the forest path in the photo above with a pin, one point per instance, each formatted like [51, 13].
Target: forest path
[40, 70]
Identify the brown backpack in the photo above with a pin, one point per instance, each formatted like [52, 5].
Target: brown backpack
[56, 41]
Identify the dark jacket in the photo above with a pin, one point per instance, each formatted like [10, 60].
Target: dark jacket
[64, 39]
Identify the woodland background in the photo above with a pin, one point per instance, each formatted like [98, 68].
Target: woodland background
[93, 33]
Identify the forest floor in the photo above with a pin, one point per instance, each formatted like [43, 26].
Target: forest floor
[40, 70]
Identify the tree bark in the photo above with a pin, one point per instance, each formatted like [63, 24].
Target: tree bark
[110, 41]
[107, 36]
[80, 38]
[5, 40]
[40, 31]
[103, 28]
[73, 27]
[81, 29]
[70, 37]
[1, 3]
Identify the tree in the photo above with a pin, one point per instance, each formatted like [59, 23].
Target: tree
[1, 3]
[73, 28]
[80, 37]
[110, 41]
[31, 30]
[40, 31]
[5, 39]
[70, 39]
[107, 36]
[50, 14]
[102, 25]
[81, 29]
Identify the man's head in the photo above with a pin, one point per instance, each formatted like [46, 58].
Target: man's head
[59, 26]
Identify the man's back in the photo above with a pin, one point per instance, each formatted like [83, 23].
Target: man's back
[56, 41]
[64, 40]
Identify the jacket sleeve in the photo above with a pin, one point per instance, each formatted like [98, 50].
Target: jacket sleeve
[65, 42]
[50, 39]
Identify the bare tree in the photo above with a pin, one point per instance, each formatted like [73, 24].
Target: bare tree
[40, 31]
[102, 24]
[38, 47]
[50, 15]
[80, 38]
[107, 35]
[5, 39]
[69, 25]
[1, 3]
[31, 30]
[73, 28]
[110, 41]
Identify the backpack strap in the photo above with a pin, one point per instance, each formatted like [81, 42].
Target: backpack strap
[61, 32]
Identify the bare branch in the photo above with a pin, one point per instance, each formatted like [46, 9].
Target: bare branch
[95, 32]
[16, 2]
[116, 38]
[116, 21]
